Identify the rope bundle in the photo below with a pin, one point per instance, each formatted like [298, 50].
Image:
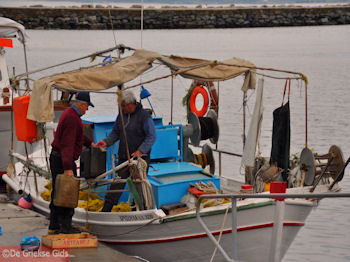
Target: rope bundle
[140, 175]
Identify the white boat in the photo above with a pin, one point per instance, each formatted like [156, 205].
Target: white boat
[152, 234]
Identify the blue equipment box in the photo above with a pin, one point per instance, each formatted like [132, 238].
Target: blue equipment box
[170, 181]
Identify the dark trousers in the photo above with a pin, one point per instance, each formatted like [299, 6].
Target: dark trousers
[113, 198]
[60, 217]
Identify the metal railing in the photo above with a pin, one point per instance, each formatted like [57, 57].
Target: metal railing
[220, 152]
[278, 223]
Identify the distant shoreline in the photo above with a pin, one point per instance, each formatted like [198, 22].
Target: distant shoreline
[180, 7]
[99, 17]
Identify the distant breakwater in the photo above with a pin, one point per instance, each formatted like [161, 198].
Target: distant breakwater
[175, 18]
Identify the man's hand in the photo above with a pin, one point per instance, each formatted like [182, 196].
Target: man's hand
[69, 172]
[137, 153]
[101, 144]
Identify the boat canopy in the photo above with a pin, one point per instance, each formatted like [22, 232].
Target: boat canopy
[10, 28]
[205, 70]
[104, 77]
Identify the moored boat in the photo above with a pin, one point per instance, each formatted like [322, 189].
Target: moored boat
[153, 234]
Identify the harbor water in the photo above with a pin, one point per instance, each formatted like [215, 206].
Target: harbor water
[321, 53]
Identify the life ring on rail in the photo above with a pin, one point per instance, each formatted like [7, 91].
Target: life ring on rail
[199, 90]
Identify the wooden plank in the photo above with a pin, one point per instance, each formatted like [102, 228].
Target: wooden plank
[178, 211]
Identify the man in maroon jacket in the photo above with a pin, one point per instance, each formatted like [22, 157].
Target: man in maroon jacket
[66, 148]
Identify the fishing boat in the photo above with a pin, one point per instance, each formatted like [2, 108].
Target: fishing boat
[182, 166]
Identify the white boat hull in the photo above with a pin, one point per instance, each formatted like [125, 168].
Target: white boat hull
[154, 236]
[187, 240]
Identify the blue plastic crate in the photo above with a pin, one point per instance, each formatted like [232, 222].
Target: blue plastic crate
[170, 181]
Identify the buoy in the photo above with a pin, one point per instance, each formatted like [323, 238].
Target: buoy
[199, 90]
[25, 202]
[210, 98]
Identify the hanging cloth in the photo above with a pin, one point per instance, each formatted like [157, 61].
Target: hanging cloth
[280, 150]
[250, 148]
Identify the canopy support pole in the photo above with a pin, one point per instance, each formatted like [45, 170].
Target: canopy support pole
[244, 116]
[306, 138]
[25, 60]
[217, 108]
[172, 100]
[142, 24]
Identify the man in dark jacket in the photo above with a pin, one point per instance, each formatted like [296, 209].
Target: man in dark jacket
[66, 148]
[140, 136]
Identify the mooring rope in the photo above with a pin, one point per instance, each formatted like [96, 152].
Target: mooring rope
[110, 20]
[221, 231]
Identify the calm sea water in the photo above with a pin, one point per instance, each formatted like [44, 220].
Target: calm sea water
[321, 53]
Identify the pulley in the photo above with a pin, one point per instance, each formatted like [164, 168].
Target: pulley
[204, 159]
[203, 128]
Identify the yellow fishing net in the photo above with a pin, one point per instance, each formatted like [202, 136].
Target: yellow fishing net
[95, 203]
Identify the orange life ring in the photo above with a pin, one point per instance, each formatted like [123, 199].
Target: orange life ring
[199, 89]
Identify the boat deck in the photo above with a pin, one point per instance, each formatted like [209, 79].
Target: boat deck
[17, 223]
